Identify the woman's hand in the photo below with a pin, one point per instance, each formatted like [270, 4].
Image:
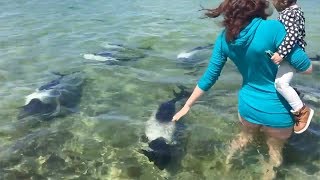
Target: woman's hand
[181, 113]
[197, 92]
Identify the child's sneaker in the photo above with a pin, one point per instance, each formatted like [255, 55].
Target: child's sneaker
[303, 118]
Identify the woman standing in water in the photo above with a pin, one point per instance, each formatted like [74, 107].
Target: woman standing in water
[246, 37]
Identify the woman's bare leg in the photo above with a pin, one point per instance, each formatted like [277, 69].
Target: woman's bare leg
[248, 130]
[276, 137]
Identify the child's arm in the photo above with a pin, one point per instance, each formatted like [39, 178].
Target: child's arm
[292, 21]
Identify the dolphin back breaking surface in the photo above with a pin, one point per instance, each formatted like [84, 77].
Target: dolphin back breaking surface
[56, 98]
[195, 56]
[115, 54]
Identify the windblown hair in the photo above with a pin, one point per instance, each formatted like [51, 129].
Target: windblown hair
[237, 14]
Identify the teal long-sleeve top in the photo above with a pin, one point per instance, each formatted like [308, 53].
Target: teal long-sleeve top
[258, 100]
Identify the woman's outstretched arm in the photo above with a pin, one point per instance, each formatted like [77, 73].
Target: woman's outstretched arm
[217, 61]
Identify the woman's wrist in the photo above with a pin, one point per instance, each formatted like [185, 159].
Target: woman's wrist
[188, 105]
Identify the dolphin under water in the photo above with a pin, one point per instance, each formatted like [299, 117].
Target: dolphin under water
[308, 141]
[165, 138]
[56, 98]
[195, 56]
[315, 61]
[316, 58]
[115, 54]
[201, 53]
[304, 149]
[310, 94]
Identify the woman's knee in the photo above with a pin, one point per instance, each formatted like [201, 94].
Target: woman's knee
[277, 133]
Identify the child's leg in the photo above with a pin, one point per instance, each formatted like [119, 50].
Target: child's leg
[282, 84]
[303, 114]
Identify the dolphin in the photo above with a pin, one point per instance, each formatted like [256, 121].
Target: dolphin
[165, 138]
[114, 54]
[309, 94]
[308, 141]
[195, 56]
[316, 58]
[304, 149]
[56, 98]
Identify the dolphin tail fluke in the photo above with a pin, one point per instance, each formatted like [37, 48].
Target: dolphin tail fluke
[159, 153]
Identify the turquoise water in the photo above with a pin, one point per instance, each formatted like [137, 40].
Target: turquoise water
[103, 139]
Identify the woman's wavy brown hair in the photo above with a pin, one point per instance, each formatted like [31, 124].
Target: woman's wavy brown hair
[237, 14]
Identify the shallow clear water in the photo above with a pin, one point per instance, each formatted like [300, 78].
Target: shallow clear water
[103, 139]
